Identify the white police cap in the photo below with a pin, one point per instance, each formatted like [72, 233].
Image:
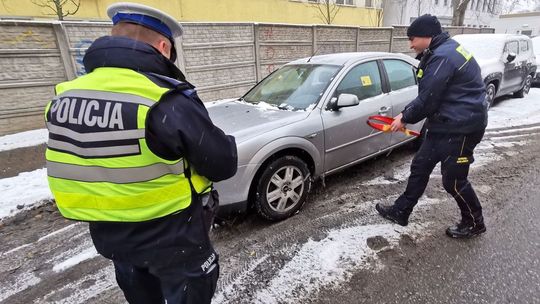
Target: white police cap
[138, 13]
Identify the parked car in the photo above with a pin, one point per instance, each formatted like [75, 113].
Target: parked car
[536, 50]
[308, 120]
[507, 61]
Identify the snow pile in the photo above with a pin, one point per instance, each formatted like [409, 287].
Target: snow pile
[23, 191]
[513, 112]
[23, 139]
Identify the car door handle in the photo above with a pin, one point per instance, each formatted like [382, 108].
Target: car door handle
[384, 110]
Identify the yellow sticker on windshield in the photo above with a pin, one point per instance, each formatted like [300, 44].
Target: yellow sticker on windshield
[366, 81]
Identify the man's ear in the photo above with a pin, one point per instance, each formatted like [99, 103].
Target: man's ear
[164, 48]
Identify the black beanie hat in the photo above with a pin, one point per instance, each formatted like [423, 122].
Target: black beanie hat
[424, 26]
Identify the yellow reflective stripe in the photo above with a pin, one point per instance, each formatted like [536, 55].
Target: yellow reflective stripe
[105, 95]
[107, 207]
[139, 160]
[462, 160]
[93, 152]
[420, 73]
[466, 54]
[113, 80]
[112, 175]
[96, 136]
[111, 189]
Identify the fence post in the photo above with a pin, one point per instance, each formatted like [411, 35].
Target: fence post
[391, 45]
[257, 48]
[357, 38]
[314, 39]
[63, 45]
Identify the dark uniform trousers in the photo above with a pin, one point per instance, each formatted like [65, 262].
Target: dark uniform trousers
[455, 152]
[159, 282]
[170, 269]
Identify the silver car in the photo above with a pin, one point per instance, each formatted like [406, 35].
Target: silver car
[308, 119]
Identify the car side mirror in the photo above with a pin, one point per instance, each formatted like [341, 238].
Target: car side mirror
[510, 57]
[346, 100]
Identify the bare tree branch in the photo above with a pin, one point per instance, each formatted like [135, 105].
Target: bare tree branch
[326, 10]
[459, 8]
[61, 8]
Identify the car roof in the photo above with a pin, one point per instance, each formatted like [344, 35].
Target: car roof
[346, 58]
[492, 37]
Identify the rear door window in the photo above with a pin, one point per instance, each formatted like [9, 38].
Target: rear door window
[400, 74]
[523, 46]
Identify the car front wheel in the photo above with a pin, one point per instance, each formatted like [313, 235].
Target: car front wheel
[282, 188]
[491, 91]
[526, 87]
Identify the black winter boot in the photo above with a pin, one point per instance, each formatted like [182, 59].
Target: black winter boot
[466, 230]
[393, 214]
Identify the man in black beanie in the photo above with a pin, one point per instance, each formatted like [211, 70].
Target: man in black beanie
[451, 95]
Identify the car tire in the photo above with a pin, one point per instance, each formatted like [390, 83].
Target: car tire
[526, 87]
[282, 188]
[491, 91]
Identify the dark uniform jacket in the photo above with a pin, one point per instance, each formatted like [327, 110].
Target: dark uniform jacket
[451, 92]
[177, 126]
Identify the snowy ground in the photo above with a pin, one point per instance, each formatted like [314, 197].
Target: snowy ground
[304, 268]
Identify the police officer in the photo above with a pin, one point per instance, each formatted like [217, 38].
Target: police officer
[451, 96]
[132, 151]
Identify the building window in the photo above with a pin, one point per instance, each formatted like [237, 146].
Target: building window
[478, 5]
[351, 2]
[436, 2]
[445, 2]
[316, 1]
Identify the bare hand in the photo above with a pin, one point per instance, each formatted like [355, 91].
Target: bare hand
[397, 124]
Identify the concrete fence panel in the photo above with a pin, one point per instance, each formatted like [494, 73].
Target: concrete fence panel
[222, 59]
[219, 58]
[30, 66]
[278, 44]
[332, 39]
[374, 40]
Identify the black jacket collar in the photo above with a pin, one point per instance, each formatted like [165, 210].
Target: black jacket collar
[123, 52]
[435, 43]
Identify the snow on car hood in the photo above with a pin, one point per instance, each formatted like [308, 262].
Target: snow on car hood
[491, 65]
[244, 120]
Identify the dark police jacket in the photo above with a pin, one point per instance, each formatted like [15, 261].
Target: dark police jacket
[177, 126]
[451, 92]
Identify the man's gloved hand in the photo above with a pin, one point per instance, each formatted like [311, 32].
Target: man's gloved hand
[397, 124]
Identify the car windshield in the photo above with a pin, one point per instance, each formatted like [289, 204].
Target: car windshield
[536, 45]
[481, 47]
[293, 87]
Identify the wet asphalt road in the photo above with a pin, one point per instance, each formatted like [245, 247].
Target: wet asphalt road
[500, 266]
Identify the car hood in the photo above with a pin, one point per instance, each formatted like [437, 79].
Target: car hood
[489, 66]
[244, 120]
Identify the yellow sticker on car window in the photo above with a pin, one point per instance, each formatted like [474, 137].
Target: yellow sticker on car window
[366, 81]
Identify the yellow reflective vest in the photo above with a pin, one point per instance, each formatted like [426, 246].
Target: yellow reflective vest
[99, 165]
